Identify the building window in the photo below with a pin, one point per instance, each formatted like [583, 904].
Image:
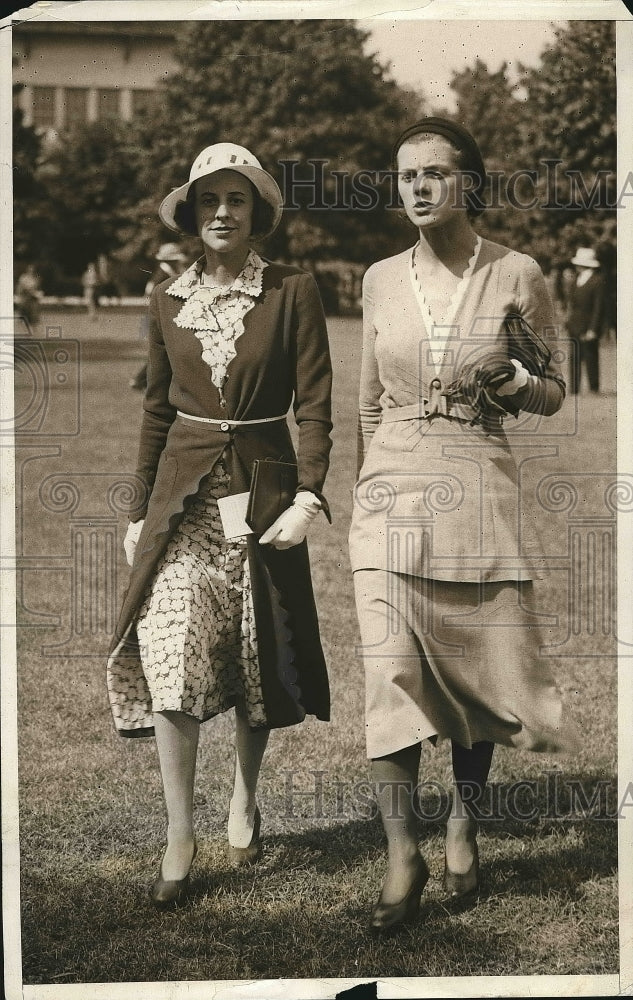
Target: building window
[43, 107]
[107, 103]
[75, 106]
[144, 102]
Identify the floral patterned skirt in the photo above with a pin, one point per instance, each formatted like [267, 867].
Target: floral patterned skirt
[196, 626]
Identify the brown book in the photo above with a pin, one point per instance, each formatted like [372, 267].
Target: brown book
[273, 489]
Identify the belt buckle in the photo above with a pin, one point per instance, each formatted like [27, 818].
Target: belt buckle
[436, 404]
[224, 426]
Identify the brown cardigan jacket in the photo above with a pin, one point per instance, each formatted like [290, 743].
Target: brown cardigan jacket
[282, 358]
[283, 351]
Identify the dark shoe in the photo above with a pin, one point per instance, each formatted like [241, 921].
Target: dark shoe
[173, 892]
[386, 917]
[239, 856]
[462, 885]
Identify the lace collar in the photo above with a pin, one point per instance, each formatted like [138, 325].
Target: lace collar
[249, 280]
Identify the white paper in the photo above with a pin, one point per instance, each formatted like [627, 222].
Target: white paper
[233, 515]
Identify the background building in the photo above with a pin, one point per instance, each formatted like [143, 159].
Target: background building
[72, 73]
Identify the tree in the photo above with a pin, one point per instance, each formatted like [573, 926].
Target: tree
[93, 178]
[570, 115]
[488, 106]
[567, 115]
[31, 213]
[288, 90]
[72, 196]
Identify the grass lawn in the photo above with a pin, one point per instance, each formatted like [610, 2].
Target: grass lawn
[91, 811]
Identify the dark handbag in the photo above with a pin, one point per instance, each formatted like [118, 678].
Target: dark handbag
[526, 346]
[478, 380]
[273, 489]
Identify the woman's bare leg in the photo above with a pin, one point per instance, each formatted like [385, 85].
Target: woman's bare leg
[395, 777]
[249, 751]
[177, 743]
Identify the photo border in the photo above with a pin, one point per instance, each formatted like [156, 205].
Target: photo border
[299, 988]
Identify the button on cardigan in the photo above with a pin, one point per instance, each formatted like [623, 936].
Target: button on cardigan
[281, 359]
[439, 498]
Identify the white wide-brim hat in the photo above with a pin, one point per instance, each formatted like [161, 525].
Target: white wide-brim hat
[585, 257]
[225, 156]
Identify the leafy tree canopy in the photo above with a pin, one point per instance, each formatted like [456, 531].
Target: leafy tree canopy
[563, 110]
[306, 90]
[288, 90]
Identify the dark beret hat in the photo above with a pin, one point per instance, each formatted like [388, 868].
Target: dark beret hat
[458, 136]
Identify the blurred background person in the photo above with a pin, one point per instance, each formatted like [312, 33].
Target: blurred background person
[585, 319]
[28, 295]
[607, 256]
[170, 262]
[89, 281]
[107, 287]
[564, 281]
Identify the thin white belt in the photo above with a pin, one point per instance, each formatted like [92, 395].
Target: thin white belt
[229, 423]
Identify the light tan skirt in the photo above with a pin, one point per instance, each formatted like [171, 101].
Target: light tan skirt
[455, 660]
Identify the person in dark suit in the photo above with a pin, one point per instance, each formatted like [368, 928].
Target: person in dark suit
[585, 320]
[215, 619]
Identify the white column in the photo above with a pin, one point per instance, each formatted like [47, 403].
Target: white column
[26, 103]
[59, 108]
[125, 104]
[92, 104]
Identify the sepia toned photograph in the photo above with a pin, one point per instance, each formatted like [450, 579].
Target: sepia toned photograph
[317, 482]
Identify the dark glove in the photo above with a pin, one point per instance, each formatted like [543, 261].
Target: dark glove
[478, 382]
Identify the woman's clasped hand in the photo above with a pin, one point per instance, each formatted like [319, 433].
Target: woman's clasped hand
[454, 544]
[217, 620]
[292, 525]
[198, 633]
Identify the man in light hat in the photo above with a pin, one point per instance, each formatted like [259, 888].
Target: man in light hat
[171, 262]
[585, 319]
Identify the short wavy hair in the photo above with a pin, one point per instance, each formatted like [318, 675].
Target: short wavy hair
[261, 224]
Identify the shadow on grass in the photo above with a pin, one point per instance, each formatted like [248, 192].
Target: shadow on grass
[303, 909]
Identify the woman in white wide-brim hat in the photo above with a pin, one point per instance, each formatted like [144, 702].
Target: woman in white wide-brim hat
[210, 621]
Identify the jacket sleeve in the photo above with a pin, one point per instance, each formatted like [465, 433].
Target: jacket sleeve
[369, 409]
[312, 402]
[158, 413]
[545, 394]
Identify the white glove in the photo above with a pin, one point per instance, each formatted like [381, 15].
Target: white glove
[291, 527]
[514, 384]
[132, 536]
